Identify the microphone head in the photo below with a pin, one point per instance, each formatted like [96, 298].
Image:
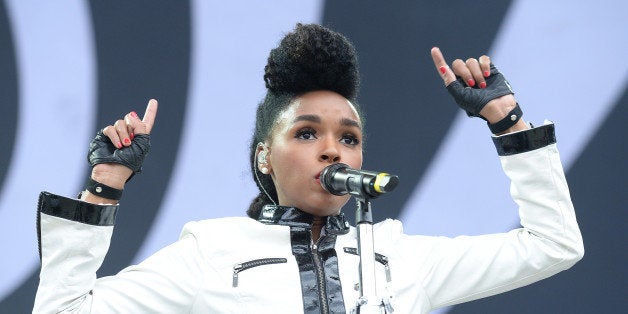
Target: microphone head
[327, 178]
[385, 182]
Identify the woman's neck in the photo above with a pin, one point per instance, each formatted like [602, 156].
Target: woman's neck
[317, 226]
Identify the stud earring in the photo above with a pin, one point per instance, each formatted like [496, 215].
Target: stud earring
[264, 170]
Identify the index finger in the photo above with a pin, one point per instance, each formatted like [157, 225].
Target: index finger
[445, 72]
[150, 114]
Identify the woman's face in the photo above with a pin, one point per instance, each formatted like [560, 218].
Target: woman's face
[317, 129]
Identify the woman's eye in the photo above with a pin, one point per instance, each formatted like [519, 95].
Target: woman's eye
[349, 139]
[306, 134]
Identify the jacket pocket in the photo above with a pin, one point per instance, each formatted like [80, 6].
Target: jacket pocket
[254, 263]
[382, 259]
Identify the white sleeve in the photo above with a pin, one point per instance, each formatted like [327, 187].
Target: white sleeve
[465, 268]
[73, 247]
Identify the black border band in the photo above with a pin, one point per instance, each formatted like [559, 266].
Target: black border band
[525, 141]
[76, 210]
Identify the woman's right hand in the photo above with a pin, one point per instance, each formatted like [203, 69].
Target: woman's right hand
[118, 150]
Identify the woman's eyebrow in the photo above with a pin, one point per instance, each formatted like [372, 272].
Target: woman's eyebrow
[317, 119]
[350, 122]
[308, 117]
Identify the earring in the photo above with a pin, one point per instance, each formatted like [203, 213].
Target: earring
[261, 157]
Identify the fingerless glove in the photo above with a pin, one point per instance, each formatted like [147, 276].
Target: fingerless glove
[473, 99]
[102, 150]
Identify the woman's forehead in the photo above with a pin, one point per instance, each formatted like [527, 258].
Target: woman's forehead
[322, 104]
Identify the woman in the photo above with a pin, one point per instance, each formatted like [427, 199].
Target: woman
[296, 253]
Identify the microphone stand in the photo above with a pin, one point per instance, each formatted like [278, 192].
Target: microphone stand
[339, 179]
[368, 302]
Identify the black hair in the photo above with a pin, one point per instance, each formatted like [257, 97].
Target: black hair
[309, 58]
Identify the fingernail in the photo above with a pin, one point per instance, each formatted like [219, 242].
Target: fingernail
[471, 82]
[482, 84]
[487, 73]
[134, 114]
[127, 141]
[119, 145]
[132, 136]
[442, 70]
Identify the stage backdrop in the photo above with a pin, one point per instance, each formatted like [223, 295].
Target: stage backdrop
[68, 68]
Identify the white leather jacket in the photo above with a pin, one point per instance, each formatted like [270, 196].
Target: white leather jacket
[240, 265]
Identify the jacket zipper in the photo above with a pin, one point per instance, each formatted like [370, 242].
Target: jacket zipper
[254, 263]
[378, 257]
[320, 276]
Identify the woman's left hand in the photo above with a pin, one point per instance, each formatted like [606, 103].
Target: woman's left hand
[490, 95]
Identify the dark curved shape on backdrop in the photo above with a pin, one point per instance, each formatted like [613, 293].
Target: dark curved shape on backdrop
[127, 78]
[393, 44]
[8, 93]
[395, 76]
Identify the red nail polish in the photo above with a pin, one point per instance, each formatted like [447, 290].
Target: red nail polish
[134, 114]
[471, 82]
[127, 141]
[442, 70]
[487, 73]
[483, 85]
[119, 145]
[132, 136]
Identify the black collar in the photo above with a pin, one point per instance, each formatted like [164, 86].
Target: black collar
[294, 217]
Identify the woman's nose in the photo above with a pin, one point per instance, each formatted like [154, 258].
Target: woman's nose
[330, 152]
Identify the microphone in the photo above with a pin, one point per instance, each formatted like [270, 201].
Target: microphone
[340, 179]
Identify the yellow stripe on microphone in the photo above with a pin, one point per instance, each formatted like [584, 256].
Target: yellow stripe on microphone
[378, 180]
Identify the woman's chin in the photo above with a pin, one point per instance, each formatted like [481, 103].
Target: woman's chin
[331, 206]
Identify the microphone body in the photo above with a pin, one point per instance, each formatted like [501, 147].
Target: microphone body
[340, 179]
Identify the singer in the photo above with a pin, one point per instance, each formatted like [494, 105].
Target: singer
[295, 252]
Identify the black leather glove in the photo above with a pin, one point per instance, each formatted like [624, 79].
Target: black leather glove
[101, 151]
[473, 99]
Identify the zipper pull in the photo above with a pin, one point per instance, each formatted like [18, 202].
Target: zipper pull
[236, 270]
[388, 276]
